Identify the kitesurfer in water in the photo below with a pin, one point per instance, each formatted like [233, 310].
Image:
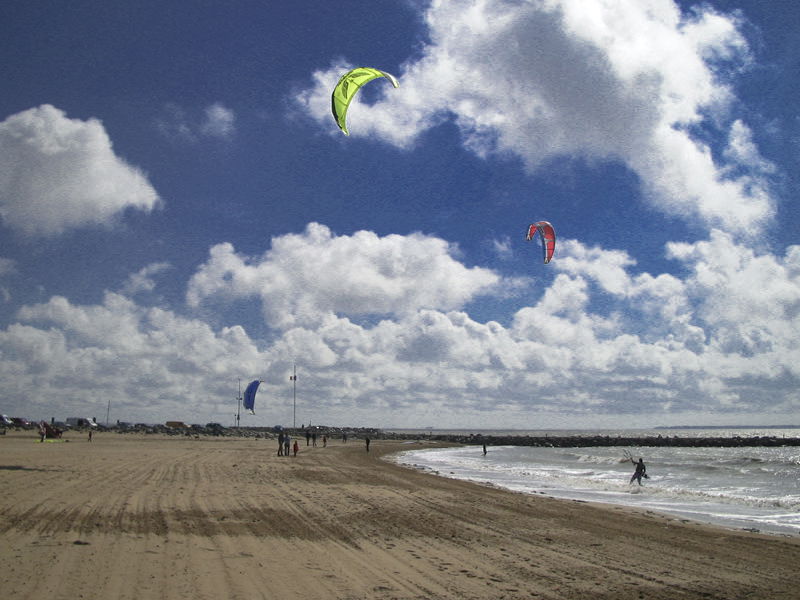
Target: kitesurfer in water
[641, 471]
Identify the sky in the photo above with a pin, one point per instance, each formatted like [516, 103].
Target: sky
[180, 214]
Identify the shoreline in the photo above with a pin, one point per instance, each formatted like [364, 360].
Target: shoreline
[171, 517]
[718, 515]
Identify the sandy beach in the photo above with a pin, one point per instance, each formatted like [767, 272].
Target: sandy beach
[136, 516]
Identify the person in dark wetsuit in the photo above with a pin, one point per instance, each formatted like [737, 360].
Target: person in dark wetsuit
[641, 471]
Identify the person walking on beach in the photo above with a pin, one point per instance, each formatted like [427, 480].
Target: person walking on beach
[641, 471]
[366, 441]
[295, 447]
[484, 449]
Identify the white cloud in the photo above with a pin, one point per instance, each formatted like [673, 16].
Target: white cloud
[749, 302]
[607, 267]
[741, 150]
[303, 278]
[621, 81]
[503, 248]
[217, 121]
[724, 339]
[58, 173]
[151, 362]
[173, 123]
[142, 281]
[664, 345]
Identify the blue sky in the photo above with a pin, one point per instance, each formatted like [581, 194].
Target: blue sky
[178, 212]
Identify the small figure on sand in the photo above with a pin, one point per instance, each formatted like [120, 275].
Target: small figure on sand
[641, 471]
[295, 447]
[280, 444]
[287, 442]
[366, 441]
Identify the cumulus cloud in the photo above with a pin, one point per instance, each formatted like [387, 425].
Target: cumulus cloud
[750, 302]
[722, 338]
[615, 81]
[153, 362]
[58, 173]
[601, 341]
[305, 277]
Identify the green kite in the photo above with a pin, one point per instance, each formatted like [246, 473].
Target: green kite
[347, 87]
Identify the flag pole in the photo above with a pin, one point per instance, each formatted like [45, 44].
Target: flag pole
[294, 396]
[239, 403]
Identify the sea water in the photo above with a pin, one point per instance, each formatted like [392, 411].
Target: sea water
[756, 488]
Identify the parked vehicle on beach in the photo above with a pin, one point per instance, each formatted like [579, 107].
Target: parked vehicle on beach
[81, 422]
[6, 420]
[20, 422]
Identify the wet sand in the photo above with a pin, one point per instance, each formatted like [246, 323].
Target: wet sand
[136, 516]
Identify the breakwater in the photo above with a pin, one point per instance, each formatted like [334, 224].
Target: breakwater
[554, 440]
[581, 441]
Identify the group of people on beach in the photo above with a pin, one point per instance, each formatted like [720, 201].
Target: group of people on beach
[311, 439]
[285, 442]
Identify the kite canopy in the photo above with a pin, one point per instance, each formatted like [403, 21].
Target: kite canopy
[250, 395]
[346, 89]
[548, 235]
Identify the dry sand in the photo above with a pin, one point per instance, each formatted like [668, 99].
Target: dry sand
[134, 516]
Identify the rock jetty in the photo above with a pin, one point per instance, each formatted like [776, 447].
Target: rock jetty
[585, 441]
[554, 441]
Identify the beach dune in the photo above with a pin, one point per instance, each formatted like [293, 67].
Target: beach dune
[142, 517]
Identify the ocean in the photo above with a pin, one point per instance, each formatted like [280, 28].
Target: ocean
[754, 488]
